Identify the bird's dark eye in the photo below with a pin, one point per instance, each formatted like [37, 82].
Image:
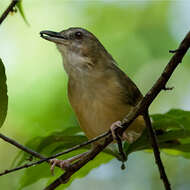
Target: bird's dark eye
[78, 35]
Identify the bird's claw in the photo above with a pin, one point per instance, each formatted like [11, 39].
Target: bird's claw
[113, 129]
[63, 164]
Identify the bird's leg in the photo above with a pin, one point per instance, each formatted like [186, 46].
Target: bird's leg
[119, 139]
[64, 164]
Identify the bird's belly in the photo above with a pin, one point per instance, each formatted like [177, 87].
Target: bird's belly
[97, 117]
[99, 121]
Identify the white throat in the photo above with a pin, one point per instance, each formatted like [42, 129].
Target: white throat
[75, 64]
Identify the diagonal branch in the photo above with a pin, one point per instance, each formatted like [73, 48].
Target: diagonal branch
[8, 10]
[141, 108]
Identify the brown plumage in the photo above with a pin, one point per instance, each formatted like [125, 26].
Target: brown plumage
[99, 92]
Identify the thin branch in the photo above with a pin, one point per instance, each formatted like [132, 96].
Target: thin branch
[154, 144]
[168, 88]
[25, 149]
[79, 164]
[8, 10]
[137, 110]
[43, 159]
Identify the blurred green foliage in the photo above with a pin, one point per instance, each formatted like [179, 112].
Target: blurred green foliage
[138, 35]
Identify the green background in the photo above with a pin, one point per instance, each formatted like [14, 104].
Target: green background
[137, 33]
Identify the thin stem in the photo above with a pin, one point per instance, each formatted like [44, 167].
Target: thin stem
[155, 147]
[9, 9]
[25, 149]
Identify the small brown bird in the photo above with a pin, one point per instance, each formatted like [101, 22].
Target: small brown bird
[100, 93]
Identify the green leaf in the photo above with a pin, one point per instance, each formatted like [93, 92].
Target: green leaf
[20, 8]
[174, 119]
[33, 174]
[3, 94]
[51, 144]
[173, 132]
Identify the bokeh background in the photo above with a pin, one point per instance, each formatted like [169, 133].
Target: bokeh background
[137, 33]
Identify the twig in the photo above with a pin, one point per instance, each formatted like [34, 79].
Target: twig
[173, 51]
[155, 146]
[43, 159]
[25, 149]
[168, 88]
[9, 9]
[139, 109]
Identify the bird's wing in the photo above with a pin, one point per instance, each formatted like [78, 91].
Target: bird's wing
[130, 93]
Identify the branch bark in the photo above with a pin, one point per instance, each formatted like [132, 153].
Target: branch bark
[8, 10]
[141, 108]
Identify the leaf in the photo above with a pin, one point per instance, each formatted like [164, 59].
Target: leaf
[174, 119]
[33, 174]
[3, 94]
[174, 137]
[51, 144]
[20, 8]
[173, 132]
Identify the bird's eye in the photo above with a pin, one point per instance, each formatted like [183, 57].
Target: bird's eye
[78, 35]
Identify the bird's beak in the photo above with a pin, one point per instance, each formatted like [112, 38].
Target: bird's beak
[56, 37]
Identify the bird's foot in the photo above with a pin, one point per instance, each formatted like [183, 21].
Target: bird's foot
[119, 139]
[114, 128]
[130, 136]
[63, 164]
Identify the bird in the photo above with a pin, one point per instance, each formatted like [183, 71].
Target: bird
[100, 93]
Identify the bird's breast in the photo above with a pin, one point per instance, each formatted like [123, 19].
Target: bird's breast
[97, 104]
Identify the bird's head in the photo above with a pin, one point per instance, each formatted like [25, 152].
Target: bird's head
[78, 46]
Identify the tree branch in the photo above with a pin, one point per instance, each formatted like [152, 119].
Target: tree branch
[9, 9]
[25, 149]
[43, 159]
[137, 110]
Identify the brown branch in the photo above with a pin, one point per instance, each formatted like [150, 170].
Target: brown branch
[43, 159]
[8, 10]
[25, 149]
[139, 109]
